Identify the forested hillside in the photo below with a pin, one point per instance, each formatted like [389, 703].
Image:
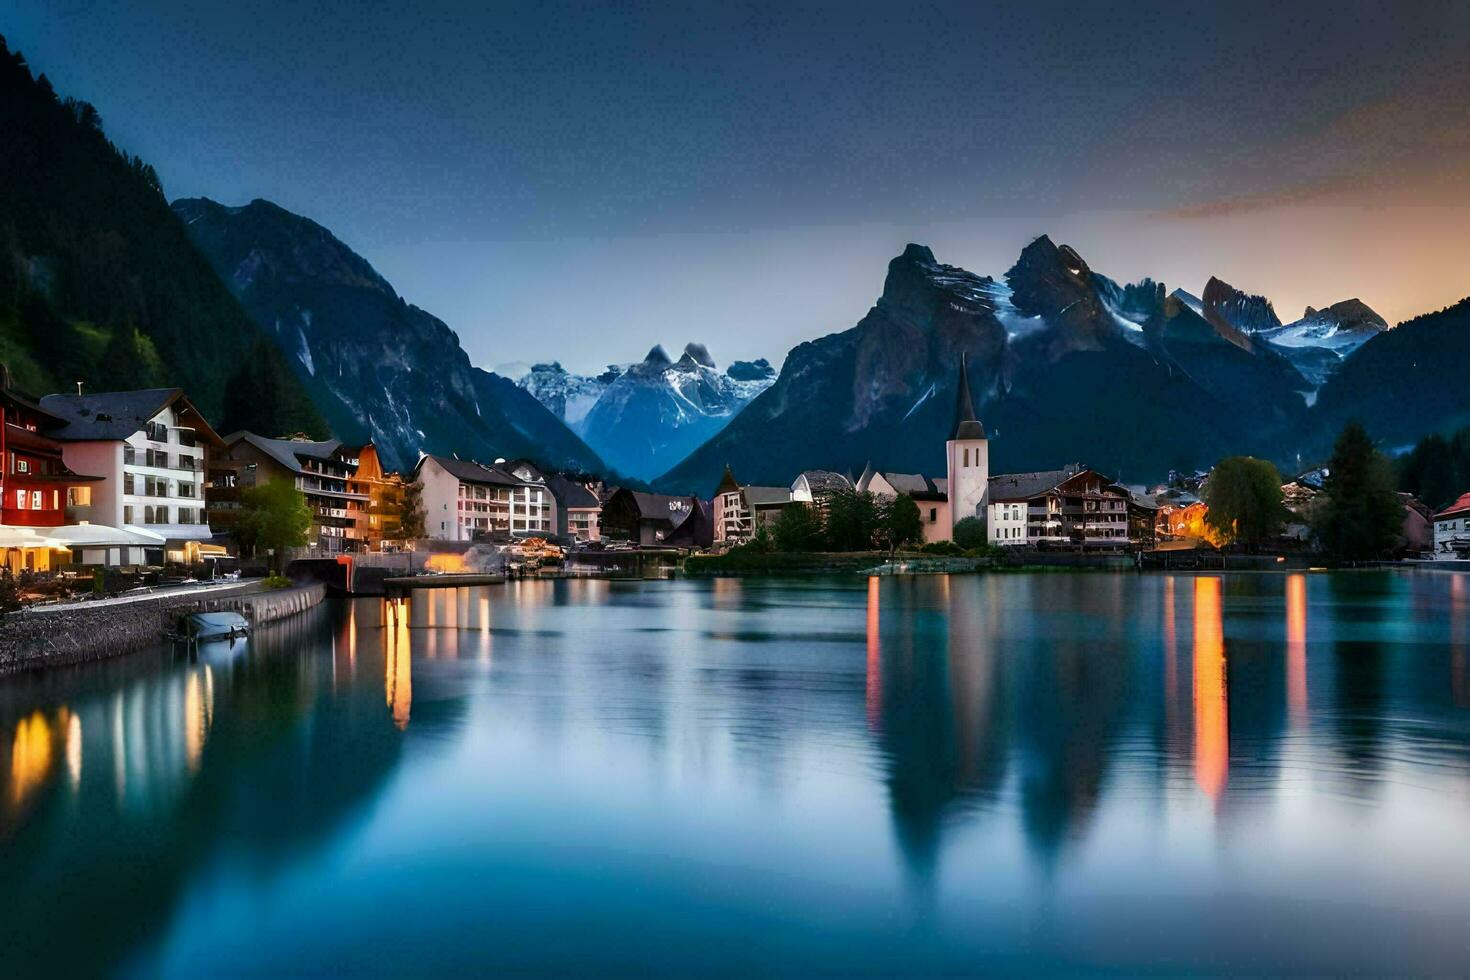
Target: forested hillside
[99, 282]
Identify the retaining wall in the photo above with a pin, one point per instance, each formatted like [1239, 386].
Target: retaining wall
[83, 632]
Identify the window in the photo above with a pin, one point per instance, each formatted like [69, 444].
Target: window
[128, 483]
[967, 455]
[22, 466]
[36, 503]
[933, 514]
[20, 500]
[79, 496]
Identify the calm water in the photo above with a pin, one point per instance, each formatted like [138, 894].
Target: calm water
[1046, 773]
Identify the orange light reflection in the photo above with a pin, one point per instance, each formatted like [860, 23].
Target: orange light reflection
[1211, 710]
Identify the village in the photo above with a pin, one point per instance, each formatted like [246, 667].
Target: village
[135, 488]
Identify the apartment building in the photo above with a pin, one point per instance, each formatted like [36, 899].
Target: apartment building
[464, 500]
[1072, 507]
[324, 471]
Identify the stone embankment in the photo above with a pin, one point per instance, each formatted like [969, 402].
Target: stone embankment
[75, 633]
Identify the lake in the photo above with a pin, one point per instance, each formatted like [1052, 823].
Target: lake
[1043, 773]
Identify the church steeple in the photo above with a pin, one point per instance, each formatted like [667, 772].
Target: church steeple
[966, 425]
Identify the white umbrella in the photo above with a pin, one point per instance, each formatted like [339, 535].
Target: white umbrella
[102, 536]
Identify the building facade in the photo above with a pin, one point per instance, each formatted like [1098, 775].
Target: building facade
[151, 449]
[464, 500]
[931, 497]
[1452, 530]
[1067, 508]
[325, 473]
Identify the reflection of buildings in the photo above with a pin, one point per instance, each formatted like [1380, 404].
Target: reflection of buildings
[1459, 674]
[398, 660]
[1211, 711]
[1296, 648]
[931, 693]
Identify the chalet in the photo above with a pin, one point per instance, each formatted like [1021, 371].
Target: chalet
[1073, 507]
[36, 486]
[382, 520]
[740, 510]
[655, 520]
[151, 449]
[932, 497]
[322, 470]
[578, 511]
[1452, 530]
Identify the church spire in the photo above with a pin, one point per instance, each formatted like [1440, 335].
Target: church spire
[966, 425]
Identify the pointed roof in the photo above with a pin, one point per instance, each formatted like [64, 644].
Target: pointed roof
[966, 425]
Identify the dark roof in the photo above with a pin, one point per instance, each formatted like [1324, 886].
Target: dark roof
[467, 471]
[661, 507]
[287, 452]
[766, 496]
[113, 415]
[571, 494]
[1024, 486]
[728, 483]
[966, 425]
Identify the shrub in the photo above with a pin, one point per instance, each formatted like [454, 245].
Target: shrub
[276, 582]
[969, 534]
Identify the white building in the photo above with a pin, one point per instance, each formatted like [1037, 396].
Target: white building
[930, 496]
[1452, 530]
[462, 499]
[968, 456]
[150, 448]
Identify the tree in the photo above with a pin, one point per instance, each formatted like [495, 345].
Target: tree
[262, 396]
[1243, 495]
[852, 520]
[970, 533]
[1437, 470]
[273, 516]
[1361, 517]
[797, 529]
[9, 593]
[902, 522]
[411, 518]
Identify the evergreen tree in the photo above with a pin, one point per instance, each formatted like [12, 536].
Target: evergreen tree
[1244, 500]
[1437, 470]
[1361, 515]
[263, 397]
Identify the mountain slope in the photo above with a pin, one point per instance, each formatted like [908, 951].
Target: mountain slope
[382, 369]
[1066, 364]
[100, 283]
[1401, 383]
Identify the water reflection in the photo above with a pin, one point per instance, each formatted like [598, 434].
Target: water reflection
[1211, 707]
[1014, 782]
[1296, 648]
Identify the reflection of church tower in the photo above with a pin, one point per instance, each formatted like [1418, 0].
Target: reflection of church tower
[968, 455]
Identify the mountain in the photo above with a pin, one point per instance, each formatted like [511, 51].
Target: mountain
[1235, 314]
[99, 282]
[641, 418]
[380, 368]
[1066, 363]
[653, 413]
[1318, 342]
[568, 396]
[1401, 383]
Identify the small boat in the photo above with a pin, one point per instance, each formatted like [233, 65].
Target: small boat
[206, 626]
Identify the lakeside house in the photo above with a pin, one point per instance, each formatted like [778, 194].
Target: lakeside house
[1452, 530]
[36, 485]
[653, 520]
[382, 519]
[322, 470]
[1073, 507]
[151, 449]
[464, 500]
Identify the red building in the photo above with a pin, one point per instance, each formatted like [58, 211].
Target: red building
[34, 482]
